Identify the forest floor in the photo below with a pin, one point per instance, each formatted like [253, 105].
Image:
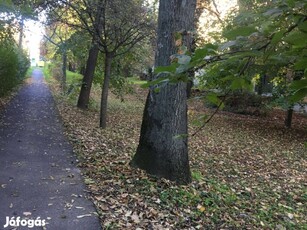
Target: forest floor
[248, 172]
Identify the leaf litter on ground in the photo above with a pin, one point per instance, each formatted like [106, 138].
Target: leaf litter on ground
[248, 172]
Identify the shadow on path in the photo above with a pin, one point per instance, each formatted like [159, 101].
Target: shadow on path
[38, 176]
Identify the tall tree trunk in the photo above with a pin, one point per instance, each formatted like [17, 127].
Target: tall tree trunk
[105, 89]
[84, 96]
[64, 67]
[163, 144]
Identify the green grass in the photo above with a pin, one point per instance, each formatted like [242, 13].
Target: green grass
[71, 77]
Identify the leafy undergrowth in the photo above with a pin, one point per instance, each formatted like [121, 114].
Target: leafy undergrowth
[4, 100]
[248, 172]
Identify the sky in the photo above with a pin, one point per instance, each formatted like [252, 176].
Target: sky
[33, 36]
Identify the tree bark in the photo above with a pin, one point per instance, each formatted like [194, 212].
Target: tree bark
[84, 96]
[21, 33]
[64, 67]
[105, 89]
[288, 120]
[163, 144]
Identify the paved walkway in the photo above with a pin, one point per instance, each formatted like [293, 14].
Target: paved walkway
[38, 176]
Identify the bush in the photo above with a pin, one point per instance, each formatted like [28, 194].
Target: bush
[246, 103]
[14, 64]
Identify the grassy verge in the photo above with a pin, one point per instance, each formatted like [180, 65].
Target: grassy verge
[47, 72]
[249, 173]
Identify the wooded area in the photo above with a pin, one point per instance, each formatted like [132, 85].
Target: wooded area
[195, 92]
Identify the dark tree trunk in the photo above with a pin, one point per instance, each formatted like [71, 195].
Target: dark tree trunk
[163, 144]
[64, 67]
[105, 89]
[84, 96]
[288, 120]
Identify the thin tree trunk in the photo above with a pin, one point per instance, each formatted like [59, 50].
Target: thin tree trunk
[21, 33]
[288, 120]
[163, 144]
[64, 67]
[105, 90]
[84, 96]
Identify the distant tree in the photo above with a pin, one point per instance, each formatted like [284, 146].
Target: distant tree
[16, 12]
[58, 35]
[163, 145]
[83, 100]
[115, 26]
[125, 26]
[84, 17]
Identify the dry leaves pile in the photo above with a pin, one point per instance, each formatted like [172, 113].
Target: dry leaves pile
[248, 172]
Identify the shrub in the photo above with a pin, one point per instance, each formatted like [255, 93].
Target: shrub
[246, 103]
[14, 64]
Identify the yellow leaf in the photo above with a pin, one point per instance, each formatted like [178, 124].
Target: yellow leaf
[201, 208]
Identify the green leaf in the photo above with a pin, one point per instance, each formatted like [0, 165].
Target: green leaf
[200, 54]
[297, 38]
[214, 99]
[241, 31]
[200, 120]
[299, 95]
[208, 49]
[227, 45]
[166, 69]
[238, 83]
[277, 37]
[183, 59]
[303, 26]
[180, 136]
[182, 69]
[275, 12]
[299, 84]
[157, 90]
[301, 64]
[157, 81]
[291, 3]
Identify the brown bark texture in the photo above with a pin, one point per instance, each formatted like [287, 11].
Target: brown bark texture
[163, 144]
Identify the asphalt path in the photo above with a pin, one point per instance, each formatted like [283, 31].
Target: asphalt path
[40, 183]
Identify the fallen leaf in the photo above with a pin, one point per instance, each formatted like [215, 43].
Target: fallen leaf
[82, 216]
[135, 218]
[201, 208]
[27, 213]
